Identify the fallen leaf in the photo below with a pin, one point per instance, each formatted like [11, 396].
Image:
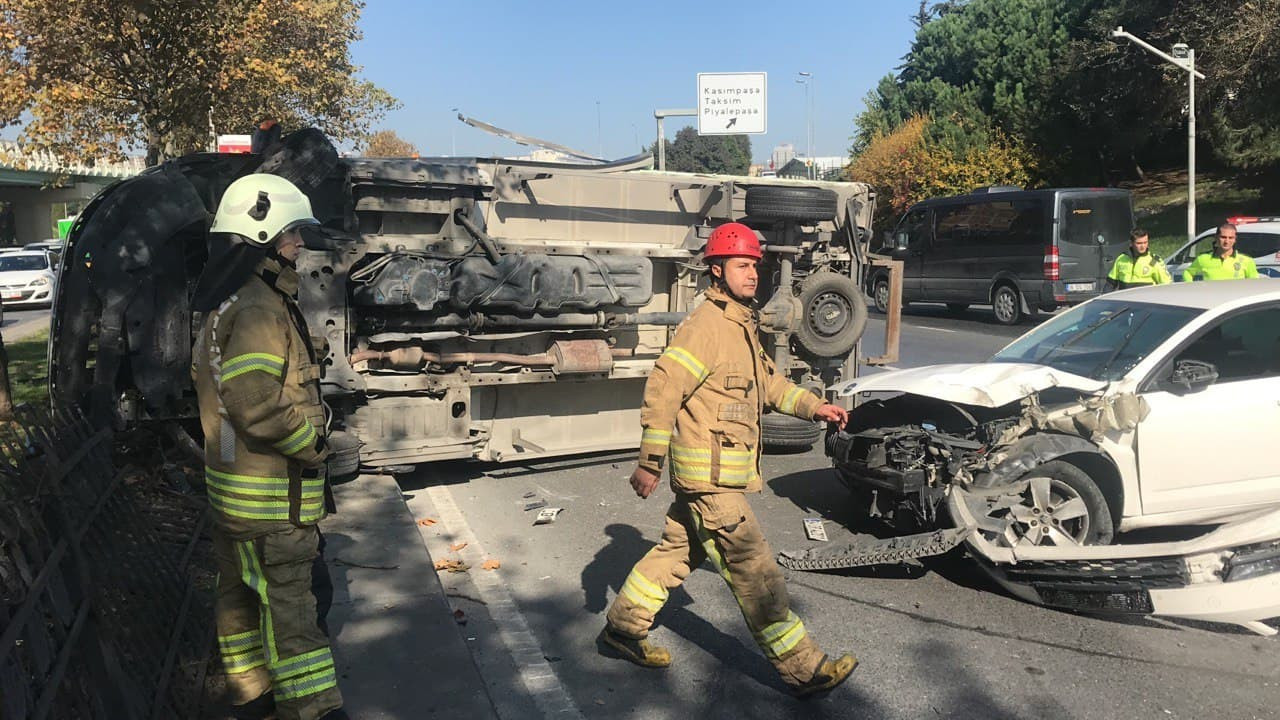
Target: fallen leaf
[457, 546]
[426, 522]
[451, 565]
[491, 564]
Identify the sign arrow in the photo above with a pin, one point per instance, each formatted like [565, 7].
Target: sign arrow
[732, 122]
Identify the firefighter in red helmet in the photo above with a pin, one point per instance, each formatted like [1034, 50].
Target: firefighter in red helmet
[701, 417]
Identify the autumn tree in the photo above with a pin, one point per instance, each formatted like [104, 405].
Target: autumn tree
[99, 78]
[387, 144]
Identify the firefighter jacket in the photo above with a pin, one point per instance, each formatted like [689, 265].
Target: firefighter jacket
[258, 385]
[704, 398]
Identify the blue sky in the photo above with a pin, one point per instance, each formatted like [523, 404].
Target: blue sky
[540, 68]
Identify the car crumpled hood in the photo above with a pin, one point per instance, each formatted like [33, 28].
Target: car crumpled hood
[983, 384]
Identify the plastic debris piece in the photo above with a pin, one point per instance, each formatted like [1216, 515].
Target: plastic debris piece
[547, 516]
[535, 505]
[814, 529]
[528, 495]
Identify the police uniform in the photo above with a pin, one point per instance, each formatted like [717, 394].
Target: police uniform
[1211, 266]
[1132, 270]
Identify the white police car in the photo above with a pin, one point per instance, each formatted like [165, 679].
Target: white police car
[1257, 237]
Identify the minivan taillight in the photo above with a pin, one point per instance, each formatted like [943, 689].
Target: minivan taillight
[1051, 268]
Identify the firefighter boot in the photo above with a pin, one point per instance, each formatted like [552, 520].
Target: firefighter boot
[640, 652]
[261, 708]
[828, 675]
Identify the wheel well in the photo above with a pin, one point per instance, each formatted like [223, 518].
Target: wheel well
[1003, 282]
[1103, 472]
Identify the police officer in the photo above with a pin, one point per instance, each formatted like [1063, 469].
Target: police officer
[1138, 267]
[701, 411]
[264, 426]
[1223, 262]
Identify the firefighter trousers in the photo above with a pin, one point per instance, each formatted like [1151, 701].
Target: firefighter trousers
[268, 634]
[720, 527]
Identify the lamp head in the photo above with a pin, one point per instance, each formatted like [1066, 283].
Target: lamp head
[1181, 51]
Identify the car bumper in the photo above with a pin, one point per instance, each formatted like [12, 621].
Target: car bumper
[1229, 575]
[21, 296]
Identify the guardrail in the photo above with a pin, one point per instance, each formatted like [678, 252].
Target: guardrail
[99, 613]
[17, 157]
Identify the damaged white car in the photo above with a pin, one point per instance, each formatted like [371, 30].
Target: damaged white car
[1153, 407]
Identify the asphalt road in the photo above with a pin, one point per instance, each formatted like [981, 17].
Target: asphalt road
[19, 323]
[935, 640]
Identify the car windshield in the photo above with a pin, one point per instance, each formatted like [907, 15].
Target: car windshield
[11, 263]
[1100, 340]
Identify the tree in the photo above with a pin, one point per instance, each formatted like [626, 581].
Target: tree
[720, 154]
[99, 77]
[386, 143]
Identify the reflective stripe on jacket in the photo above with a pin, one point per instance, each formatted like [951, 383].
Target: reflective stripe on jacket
[1209, 266]
[256, 379]
[1145, 269]
[704, 398]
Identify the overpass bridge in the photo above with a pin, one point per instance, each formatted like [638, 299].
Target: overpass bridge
[32, 182]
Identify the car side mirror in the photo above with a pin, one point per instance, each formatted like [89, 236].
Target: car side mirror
[1192, 376]
[900, 241]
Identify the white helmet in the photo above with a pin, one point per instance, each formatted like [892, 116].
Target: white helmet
[260, 206]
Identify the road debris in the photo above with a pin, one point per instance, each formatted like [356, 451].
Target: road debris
[547, 516]
[452, 565]
[457, 546]
[459, 617]
[535, 505]
[814, 529]
[491, 564]
[426, 521]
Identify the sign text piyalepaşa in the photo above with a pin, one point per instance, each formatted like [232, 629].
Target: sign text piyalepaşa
[732, 103]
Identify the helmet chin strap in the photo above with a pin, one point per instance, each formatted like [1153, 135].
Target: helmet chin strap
[274, 254]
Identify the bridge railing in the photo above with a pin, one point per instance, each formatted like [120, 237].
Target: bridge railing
[17, 157]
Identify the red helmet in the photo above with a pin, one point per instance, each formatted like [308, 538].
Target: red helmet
[733, 240]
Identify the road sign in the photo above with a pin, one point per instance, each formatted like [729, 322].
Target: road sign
[234, 143]
[732, 103]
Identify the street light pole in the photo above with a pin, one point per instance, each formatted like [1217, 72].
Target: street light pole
[1184, 58]
[453, 135]
[805, 79]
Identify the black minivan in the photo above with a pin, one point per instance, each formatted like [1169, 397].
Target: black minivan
[1016, 250]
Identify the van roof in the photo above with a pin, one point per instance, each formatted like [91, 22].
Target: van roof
[1018, 195]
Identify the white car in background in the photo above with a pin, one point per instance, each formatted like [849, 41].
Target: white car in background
[27, 277]
[1257, 237]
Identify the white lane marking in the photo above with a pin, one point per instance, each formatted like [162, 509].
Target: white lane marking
[930, 327]
[535, 672]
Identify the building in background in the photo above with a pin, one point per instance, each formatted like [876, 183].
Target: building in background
[830, 167]
[782, 154]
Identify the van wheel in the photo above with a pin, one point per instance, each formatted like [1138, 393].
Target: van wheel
[880, 295]
[784, 433]
[834, 314]
[802, 204]
[1007, 304]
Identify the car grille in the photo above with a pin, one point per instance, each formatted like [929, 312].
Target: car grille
[1108, 575]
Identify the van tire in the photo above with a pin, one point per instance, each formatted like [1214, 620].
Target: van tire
[880, 294]
[802, 204]
[786, 433]
[833, 314]
[1006, 301]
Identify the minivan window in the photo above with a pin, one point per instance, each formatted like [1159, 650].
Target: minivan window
[915, 226]
[1084, 218]
[1002, 222]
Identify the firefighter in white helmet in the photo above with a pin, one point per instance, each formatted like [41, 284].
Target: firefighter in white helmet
[257, 379]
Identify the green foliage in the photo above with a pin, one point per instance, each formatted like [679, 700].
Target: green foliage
[29, 369]
[720, 154]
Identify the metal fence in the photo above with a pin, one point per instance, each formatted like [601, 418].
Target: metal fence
[99, 612]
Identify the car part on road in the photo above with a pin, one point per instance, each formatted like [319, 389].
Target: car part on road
[875, 551]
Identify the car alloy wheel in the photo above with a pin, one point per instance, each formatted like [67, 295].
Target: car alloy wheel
[881, 295]
[1006, 305]
[1046, 511]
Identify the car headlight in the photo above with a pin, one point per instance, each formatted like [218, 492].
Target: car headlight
[1253, 561]
[39, 282]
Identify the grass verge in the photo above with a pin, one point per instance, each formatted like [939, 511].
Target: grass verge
[1160, 204]
[29, 369]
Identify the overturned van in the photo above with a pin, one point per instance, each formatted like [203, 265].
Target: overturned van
[463, 307]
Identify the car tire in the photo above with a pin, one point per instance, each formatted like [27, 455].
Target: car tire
[1084, 515]
[343, 463]
[880, 294]
[1007, 304]
[957, 308]
[833, 315]
[803, 204]
[788, 434]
